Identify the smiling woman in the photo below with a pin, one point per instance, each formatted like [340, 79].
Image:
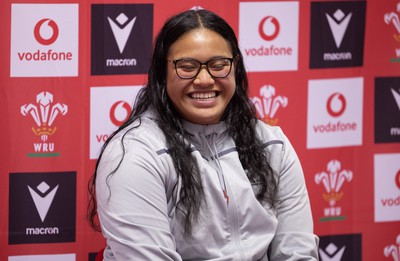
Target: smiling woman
[192, 174]
[201, 100]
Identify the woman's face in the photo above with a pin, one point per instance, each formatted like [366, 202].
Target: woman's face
[203, 99]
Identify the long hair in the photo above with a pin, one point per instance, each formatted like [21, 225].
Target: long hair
[240, 117]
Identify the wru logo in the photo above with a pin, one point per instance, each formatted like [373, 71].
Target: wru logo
[44, 114]
[333, 181]
[393, 250]
[393, 18]
[269, 103]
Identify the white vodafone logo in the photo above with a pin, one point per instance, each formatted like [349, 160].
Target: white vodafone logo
[58, 257]
[387, 187]
[45, 42]
[268, 35]
[335, 112]
[110, 106]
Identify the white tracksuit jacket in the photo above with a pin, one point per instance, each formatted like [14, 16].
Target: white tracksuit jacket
[137, 212]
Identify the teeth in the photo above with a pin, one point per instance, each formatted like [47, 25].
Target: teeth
[203, 95]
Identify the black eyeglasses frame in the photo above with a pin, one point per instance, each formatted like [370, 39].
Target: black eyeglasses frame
[231, 60]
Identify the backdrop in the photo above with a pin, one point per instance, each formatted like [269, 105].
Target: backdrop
[327, 72]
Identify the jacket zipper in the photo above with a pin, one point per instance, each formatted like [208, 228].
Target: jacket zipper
[234, 223]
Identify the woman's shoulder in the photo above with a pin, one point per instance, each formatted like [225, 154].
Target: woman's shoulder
[268, 133]
[282, 155]
[142, 132]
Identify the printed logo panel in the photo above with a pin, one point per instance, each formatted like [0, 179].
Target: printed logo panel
[121, 38]
[42, 207]
[268, 35]
[333, 179]
[92, 256]
[387, 109]
[59, 257]
[44, 113]
[340, 248]
[337, 34]
[109, 108]
[45, 42]
[387, 187]
[393, 250]
[268, 103]
[334, 117]
[392, 20]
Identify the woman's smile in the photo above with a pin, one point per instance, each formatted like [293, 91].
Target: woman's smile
[203, 95]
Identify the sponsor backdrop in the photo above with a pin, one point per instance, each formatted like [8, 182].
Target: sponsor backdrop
[327, 72]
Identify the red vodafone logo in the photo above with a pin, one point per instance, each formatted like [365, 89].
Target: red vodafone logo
[116, 109]
[269, 28]
[398, 179]
[336, 104]
[41, 27]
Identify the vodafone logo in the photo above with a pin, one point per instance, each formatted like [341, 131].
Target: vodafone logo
[269, 28]
[387, 197]
[46, 34]
[120, 112]
[336, 104]
[335, 112]
[45, 44]
[268, 35]
[109, 109]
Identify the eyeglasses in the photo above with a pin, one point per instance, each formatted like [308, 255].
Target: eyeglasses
[190, 68]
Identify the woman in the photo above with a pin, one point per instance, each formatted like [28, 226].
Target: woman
[193, 175]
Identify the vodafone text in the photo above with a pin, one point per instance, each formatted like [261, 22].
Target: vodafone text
[335, 127]
[50, 55]
[389, 202]
[268, 51]
[101, 137]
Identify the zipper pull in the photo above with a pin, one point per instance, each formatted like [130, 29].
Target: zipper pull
[226, 196]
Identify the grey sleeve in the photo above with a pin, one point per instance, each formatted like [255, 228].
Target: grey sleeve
[294, 238]
[132, 205]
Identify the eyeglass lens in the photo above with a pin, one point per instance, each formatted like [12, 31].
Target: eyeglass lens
[189, 68]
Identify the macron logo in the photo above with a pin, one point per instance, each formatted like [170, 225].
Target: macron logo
[43, 203]
[121, 30]
[338, 25]
[396, 96]
[331, 253]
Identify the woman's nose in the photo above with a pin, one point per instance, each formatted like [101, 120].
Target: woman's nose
[204, 77]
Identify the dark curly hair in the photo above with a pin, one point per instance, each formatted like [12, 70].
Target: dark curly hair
[239, 116]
